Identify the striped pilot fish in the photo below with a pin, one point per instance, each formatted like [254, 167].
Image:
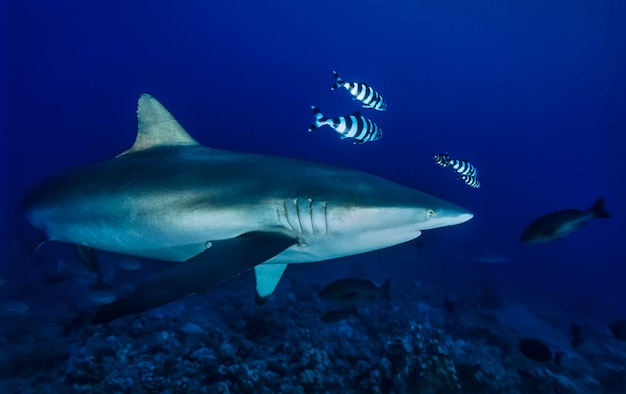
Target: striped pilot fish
[443, 159]
[350, 126]
[470, 181]
[362, 92]
[463, 167]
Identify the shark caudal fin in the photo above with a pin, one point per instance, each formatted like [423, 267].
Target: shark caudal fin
[221, 261]
[598, 209]
[320, 120]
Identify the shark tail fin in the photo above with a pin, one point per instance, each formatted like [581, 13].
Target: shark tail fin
[598, 209]
[338, 81]
[384, 290]
[320, 120]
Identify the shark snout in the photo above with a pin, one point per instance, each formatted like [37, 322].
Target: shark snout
[463, 217]
[448, 215]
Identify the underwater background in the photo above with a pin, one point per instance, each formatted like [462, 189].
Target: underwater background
[532, 93]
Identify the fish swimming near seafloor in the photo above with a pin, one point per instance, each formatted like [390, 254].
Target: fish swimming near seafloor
[215, 214]
[557, 225]
[355, 289]
[362, 92]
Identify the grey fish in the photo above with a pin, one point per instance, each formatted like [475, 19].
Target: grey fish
[362, 92]
[353, 289]
[560, 224]
[215, 214]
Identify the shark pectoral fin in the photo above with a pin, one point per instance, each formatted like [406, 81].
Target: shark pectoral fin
[267, 277]
[223, 260]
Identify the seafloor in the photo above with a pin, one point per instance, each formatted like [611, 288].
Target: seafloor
[221, 342]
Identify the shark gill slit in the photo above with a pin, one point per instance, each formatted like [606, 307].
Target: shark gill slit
[298, 219]
[303, 218]
[282, 216]
[311, 215]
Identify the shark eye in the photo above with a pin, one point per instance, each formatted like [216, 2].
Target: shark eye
[430, 214]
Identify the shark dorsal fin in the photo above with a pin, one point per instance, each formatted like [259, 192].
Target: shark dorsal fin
[156, 127]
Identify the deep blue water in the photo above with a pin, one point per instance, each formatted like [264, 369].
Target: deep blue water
[533, 93]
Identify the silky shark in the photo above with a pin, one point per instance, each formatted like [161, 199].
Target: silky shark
[215, 214]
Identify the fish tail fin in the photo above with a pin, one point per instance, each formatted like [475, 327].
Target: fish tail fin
[557, 358]
[338, 81]
[598, 209]
[384, 290]
[320, 120]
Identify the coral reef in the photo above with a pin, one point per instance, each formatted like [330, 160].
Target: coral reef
[224, 344]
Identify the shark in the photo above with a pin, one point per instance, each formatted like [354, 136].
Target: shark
[215, 214]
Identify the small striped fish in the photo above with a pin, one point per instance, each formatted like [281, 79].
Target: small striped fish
[469, 180]
[463, 167]
[350, 126]
[362, 92]
[443, 159]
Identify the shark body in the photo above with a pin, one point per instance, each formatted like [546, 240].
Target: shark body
[219, 213]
